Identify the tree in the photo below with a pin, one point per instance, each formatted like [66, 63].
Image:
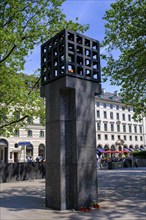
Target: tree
[23, 25]
[125, 33]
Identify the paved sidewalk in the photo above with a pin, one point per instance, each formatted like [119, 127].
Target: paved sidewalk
[122, 195]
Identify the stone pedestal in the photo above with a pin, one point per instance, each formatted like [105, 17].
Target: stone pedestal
[71, 172]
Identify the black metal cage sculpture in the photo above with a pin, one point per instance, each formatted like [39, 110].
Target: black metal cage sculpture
[70, 53]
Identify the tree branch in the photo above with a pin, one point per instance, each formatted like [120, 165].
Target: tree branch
[37, 82]
[13, 122]
[13, 48]
[12, 17]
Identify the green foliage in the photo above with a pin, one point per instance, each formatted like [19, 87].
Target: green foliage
[125, 33]
[140, 154]
[24, 24]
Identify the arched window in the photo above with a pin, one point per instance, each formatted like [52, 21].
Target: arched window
[106, 147]
[41, 150]
[131, 146]
[29, 150]
[120, 148]
[113, 147]
[136, 146]
[125, 146]
[3, 151]
[99, 146]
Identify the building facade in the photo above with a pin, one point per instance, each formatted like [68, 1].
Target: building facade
[114, 125]
[26, 143]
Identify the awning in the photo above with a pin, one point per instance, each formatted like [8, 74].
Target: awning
[24, 143]
[131, 149]
[115, 151]
[101, 150]
[126, 149]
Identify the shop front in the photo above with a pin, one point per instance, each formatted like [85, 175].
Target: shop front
[3, 151]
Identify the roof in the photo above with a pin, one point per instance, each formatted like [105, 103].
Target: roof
[110, 96]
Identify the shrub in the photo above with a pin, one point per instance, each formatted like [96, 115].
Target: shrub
[140, 154]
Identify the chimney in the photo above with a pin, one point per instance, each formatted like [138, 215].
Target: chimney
[103, 91]
[116, 93]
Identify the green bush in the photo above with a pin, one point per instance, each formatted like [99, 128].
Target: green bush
[140, 154]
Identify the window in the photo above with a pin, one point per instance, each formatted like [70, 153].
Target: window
[123, 117]
[129, 117]
[3, 117]
[112, 127]
[123, 108]
[41, 150]
[97, 104]
[104, 105]
[42, 133]
[29, 133]
[124, 128]
[17, 115]
[118, 127]
[125, 138]
[130, 128]
[135, 138]
[42, 120]
[30, 120]
[106, 137]
[11, 155]
[141, 139]
[111, 115]
[105, 114]
[135, 128]
[119, 137]
[140, 129]
[130, 138]
[99, 137]
[117, 107]
[16, 132]
[29, 150]
[112, 137]
[105, 127]
[98, 114]
[111, 106]
[129, 109]
[118, 116]
[98, 126]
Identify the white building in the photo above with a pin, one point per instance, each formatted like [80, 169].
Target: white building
[29, 141]
[114, 122]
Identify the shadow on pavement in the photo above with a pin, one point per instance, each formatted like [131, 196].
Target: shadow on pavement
[122, 195]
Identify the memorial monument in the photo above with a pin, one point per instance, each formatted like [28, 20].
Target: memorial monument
[70, 77]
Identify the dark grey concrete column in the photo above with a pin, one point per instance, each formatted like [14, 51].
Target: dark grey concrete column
[71, 174]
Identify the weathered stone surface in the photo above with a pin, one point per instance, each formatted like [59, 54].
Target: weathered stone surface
[71, 177]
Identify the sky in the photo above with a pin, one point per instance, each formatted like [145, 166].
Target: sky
[88, 12]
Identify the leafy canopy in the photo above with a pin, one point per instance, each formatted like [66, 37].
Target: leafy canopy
[23, 25]
[125, 33]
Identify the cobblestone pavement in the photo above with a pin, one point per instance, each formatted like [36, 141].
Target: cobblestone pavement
[122, 195]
